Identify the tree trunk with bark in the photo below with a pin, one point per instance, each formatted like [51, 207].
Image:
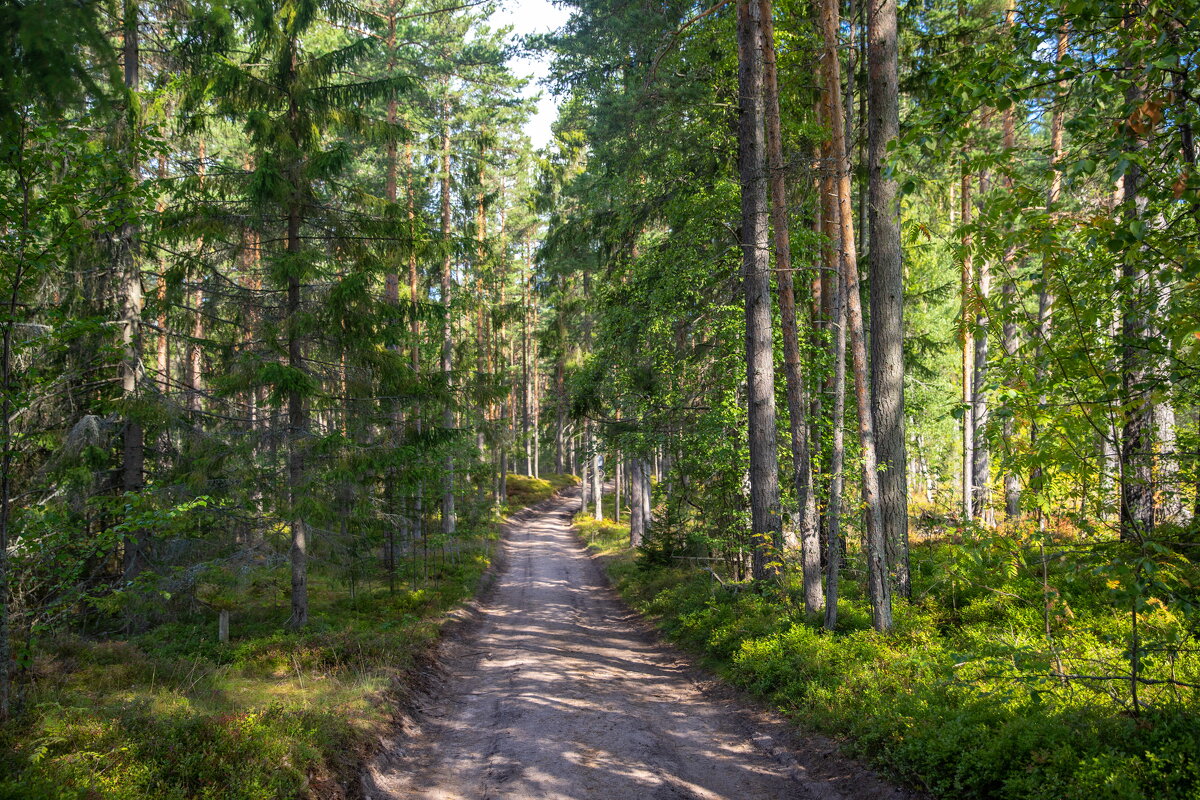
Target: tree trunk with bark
[980, 455]
[1008, 290]
[797, 393]
[878, 586]
[133, 449]
[1137, 335]
[766, 523]
[968, 351]
[837, 451]
[887, 285]
[637, 522]
[448, 514]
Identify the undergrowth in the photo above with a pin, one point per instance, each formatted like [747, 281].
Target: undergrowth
[963, 699]
[172, 713]
[524, 490]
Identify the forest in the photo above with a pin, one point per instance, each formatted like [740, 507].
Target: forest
[862, 335]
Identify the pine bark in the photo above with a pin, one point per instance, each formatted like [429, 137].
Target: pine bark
[448, 514]
[297, 412]
[1137, 334]
[878, 586]
[766, 524]
[133, 450]
[837, 451]
[1010, 342]
[297, 425]
[980, 455]
[646, 498]
[797, 392]
[637, 522]
[966, 336]
[585, 478]
[887, 284]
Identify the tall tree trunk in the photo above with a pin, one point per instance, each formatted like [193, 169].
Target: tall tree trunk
[766, 524]
[646, 498]
[887, 285]
[585, 478]
[448, 516]
[391, 294]
[980, 456]
[878, 586]
[537, 416]
[560, 389]
[597, 485]
[163, 362]
[837, 451]
[133, 448]
[525, 385]
[195, 353]
[617, 478]
[297, 425]
[417, 526]
[637, 522]
[968, 350]
[483, 353]
[797, 394]
[1008, 141]
[297, 412]
[1137, 334]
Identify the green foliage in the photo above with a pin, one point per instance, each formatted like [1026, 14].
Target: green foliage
[524, 490]
[961, 698]
[604, 535]
[173, 713]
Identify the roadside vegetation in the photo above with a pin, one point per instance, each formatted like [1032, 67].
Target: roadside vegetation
[270, 714]
[173, 713]
[976, 691]
[525, 491]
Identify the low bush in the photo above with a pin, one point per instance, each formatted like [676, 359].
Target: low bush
[960, 698]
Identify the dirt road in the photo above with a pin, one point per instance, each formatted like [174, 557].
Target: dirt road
[557, 693]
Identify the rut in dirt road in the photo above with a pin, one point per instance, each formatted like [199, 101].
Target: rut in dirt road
[558, 694]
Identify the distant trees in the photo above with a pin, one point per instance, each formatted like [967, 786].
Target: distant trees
[1062, 392]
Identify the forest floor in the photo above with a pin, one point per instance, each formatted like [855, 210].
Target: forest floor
[554, 689]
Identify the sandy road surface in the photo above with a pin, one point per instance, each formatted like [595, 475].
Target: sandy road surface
[558, 694]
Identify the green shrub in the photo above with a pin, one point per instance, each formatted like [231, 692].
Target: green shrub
[946, 701]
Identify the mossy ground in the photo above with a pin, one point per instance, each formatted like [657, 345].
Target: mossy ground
[173, 713]
[524, 491]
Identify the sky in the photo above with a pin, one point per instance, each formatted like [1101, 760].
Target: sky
[533, 16]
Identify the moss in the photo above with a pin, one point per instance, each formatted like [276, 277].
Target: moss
[175, 714]
[524, 491]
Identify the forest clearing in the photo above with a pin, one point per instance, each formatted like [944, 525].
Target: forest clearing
[366, 416]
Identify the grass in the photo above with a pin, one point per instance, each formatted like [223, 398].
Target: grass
[960, 699]
[173, 713]
[525, 491]
[604, 536]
